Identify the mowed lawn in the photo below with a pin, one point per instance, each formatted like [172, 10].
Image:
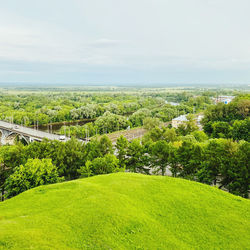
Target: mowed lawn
[125, 211]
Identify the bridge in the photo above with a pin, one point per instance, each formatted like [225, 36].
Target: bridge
[9, 130]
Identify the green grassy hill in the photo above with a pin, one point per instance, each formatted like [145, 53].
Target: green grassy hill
[125, 211]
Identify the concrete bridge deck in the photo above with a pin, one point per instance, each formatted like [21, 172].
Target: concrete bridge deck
[29, 132]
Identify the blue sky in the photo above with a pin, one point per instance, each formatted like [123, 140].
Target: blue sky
[132, 41]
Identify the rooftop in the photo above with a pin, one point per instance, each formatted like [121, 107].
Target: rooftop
[181, 118]
[172, 103]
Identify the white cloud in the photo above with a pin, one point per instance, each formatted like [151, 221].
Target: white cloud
[141, 35]
[104, 42]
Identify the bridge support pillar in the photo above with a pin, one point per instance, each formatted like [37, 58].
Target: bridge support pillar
[26, 138]
[5, 134]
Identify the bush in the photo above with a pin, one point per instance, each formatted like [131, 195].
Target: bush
[34, 173]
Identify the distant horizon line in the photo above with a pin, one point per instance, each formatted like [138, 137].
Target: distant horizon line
[152, 84]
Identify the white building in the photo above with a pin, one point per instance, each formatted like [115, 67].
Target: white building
[172, 103]
[176, 122]
[225, 99]
[199, 118]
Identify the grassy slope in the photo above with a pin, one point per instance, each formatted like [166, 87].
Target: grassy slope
[125, 211]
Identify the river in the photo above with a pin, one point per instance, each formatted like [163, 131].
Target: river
[55, 127]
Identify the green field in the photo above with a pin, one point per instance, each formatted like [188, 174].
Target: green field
[125, 211]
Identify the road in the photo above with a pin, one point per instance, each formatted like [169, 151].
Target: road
[29, 132]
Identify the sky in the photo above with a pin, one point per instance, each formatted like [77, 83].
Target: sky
[125, 41]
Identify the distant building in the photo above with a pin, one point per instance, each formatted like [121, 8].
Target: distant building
[224, 99]
[198, 120]
[172, 103]
[176, 122]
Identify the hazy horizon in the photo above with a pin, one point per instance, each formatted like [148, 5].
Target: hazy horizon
[116, 42]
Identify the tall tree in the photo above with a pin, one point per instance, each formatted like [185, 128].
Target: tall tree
[105, 165]
[160, 155]
[121, 146]
[211, 166]
[105, 145]
[135, 160]
[10, 157]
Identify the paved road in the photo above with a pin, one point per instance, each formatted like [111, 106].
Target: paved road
[29, 131]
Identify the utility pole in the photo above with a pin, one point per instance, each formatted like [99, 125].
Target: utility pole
[50, 127]
[87, 134]
[24, 120]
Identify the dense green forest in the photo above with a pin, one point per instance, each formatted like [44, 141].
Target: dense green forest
[217, 156]
[111, 111]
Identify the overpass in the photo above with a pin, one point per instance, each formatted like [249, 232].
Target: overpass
[28, 134]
